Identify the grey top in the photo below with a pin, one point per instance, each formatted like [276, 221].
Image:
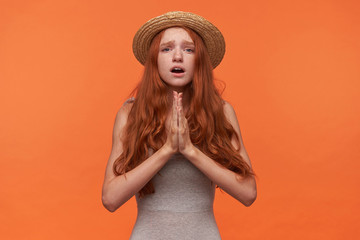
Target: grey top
[180, 208]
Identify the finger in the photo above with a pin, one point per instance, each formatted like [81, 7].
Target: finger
[182, 119]
[176, 98]
[174, 112]
[176, 95]
[180, 95]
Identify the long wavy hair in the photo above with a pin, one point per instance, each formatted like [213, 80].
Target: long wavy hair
[209, 128]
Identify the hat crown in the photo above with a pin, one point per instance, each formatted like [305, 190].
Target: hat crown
[170, 15]
[212, 37]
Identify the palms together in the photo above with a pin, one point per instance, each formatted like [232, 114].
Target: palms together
[178, 138]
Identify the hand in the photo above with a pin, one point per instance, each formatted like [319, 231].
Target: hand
[172, 141]
[178, 137]
[185, 143]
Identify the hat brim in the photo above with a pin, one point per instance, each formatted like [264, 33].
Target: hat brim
[212, 37]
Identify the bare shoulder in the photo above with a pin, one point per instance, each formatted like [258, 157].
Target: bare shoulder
[231, 117]
[119, 126]
[125, 108]
[116, 149]
[230, 112]
[122, 116]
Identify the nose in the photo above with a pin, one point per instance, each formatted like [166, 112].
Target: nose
[177, 57]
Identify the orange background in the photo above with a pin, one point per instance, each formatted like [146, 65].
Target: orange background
[292, 74]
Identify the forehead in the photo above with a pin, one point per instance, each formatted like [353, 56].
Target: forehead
[176, 34]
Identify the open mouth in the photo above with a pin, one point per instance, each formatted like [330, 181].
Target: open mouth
[177, 70]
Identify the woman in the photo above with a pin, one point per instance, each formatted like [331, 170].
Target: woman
[178, 138]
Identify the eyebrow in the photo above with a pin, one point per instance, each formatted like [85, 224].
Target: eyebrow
[167, 43]
[172, 42]
[188, 43]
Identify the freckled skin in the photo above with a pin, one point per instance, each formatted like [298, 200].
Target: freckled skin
[176, 49]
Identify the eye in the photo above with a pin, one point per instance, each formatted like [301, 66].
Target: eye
[189, 50]
[165, 49]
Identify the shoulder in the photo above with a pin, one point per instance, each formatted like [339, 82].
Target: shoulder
[228, 110]
[126, 107]
[122, 115]
[231, 117]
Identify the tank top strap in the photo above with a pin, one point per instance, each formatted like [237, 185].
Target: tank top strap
[129, 100]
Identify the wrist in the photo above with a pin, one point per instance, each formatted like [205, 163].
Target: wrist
[189, 151]
[168, 150]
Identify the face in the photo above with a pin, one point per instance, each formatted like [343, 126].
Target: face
[176, 58]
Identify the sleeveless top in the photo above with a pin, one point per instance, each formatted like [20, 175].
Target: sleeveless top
[180, 208]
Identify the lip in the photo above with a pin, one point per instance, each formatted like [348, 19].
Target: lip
[177, 74]
[177, 66]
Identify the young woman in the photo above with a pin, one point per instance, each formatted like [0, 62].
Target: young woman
[177, 139]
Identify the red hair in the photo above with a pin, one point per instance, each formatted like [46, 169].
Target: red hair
[209, 128]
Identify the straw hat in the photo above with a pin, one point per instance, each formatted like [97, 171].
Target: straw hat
[212, 37]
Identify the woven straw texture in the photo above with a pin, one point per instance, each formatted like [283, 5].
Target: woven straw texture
[212, 37]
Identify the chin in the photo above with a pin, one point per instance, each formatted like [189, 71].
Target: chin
[179, 86]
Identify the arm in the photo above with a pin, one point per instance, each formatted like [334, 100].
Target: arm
[117, 189]
[243, 190]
